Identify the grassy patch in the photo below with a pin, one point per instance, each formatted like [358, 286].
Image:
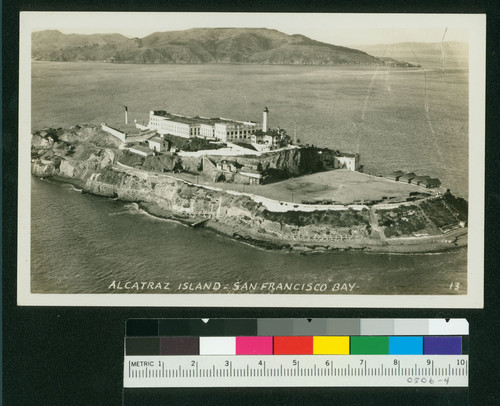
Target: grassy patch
[160, 163]
[457, 204]
[341, 218]
[401, 221]
[130, 159]
[439, 212]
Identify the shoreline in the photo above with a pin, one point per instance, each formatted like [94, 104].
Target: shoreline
[414, 245]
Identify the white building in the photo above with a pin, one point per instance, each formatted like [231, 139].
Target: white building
[266, 142]
[178, 125]
[223, 129]
[350, 162]
[158, 144]
[207, 131]
[235, 131]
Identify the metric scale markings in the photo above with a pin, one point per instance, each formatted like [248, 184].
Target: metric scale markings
[211, 353]
[288, 370]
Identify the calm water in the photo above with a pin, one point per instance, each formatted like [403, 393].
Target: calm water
[396, 119]
[82, 243]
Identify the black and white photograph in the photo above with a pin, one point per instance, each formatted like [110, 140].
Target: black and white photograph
[232, 159]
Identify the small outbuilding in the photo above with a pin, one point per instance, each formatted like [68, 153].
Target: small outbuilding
[407, 177]
[431, 183]
[347, 161]
[395, 175]
[420, 179]
[254, 176]
[229, 166]
[158, 144]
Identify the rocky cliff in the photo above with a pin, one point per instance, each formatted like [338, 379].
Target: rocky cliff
[94, 169]
[285, 164]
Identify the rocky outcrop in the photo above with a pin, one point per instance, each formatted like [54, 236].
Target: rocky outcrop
[167, 197]
[274, 165]
[283, 164]
[239, 216]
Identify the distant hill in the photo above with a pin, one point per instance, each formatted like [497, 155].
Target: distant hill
[197, 45]
[396, 63]
[51, 44]
[426, 54]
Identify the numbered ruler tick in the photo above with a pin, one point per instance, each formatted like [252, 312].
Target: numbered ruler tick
[296, 371]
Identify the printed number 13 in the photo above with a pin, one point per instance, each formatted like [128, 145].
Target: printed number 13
[454, 285]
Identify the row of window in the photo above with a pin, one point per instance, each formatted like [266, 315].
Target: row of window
[241, 132]
[237, 136]
[176, 128]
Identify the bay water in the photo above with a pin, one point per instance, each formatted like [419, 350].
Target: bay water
[411, 120]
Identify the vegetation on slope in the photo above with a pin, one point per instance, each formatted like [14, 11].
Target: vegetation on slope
[446, 211]
[71, 153]
[341, 218]
[197, 45]
[429, 216]
[402, 221]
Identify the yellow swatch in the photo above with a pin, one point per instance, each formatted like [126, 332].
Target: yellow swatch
[331, 345]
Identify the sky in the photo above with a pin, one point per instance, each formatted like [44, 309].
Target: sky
[338, 29]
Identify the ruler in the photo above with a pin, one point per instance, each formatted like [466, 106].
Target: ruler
[170, 353]
[296, 371]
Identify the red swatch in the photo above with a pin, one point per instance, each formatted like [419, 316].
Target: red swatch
[293, 345]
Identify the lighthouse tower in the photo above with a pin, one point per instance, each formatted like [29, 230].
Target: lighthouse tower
[264, 119]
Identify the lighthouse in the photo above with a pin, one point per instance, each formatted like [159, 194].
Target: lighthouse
[126, 114]
[264, 119]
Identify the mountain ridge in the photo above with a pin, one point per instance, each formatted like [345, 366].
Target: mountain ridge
[196, 45]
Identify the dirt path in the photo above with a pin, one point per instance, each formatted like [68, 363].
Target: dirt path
[375, 227]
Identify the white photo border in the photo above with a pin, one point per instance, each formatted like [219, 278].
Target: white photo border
[476, 25]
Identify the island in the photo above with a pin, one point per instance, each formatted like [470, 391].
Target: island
[253, 183]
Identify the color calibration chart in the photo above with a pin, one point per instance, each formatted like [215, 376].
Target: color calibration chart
[161, 353]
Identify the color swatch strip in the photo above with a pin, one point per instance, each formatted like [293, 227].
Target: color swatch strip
[295, 327]
[295, 345]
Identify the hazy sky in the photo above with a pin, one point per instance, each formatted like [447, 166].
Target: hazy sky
[339, 29]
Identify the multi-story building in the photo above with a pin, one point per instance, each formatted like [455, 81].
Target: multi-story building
[206, 130]
[223, 129]
[181, 126]
[235, 131]
[266, 141]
